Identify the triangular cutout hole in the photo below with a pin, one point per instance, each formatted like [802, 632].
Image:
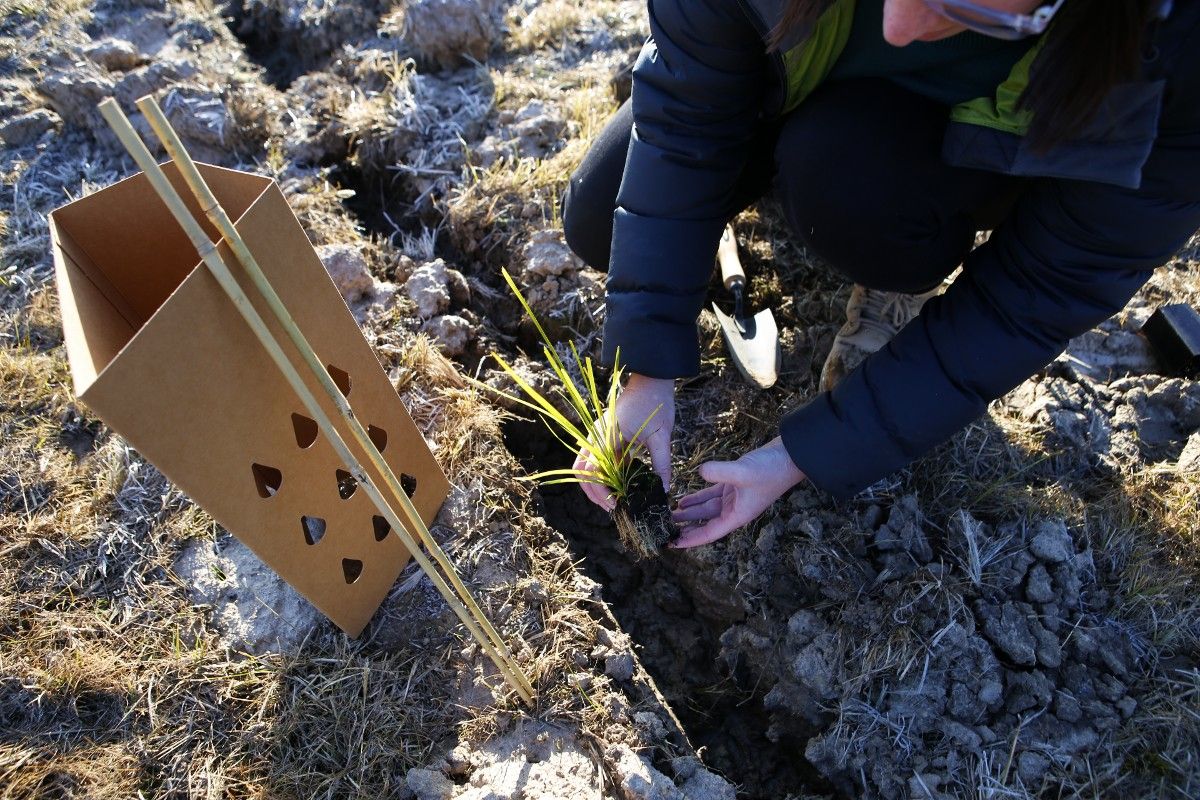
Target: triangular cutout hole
[267, 480]
[382, 527]
[306, 430]
[341, 379]
[378, 437]
[351, 569]
[346, 484]
[408, 483]
[313, 527]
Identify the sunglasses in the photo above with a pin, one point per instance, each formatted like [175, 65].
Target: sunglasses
[991, 22]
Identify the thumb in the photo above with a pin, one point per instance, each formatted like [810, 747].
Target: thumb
[722, 472]
[660, 458]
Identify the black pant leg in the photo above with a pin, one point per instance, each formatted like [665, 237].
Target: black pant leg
[862, 183]
[591, 195]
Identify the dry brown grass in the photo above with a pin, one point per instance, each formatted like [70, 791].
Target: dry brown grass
[552, 22]
[490, 214]
[113, 682]
[54, 12]
[116, 683]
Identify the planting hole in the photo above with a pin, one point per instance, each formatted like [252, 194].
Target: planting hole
[680, 629]
[378, 437]
[351, 568]
[408, 483]
[306, 430]
[346, 484]
[314, 528]
[341, 379]
[382, 528]
[266, 479]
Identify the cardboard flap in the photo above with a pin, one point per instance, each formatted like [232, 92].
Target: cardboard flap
[94, 327]
[119, 254]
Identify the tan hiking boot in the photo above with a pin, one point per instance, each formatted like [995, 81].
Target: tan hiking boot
[873, 317]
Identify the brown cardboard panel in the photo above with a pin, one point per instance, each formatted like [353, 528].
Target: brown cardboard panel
[199, 397]
[145, 251]
[71, 250]
[296, 272]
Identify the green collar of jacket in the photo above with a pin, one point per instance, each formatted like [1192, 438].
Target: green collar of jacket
[809, 60]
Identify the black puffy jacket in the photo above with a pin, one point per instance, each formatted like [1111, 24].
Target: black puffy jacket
[1108, 209]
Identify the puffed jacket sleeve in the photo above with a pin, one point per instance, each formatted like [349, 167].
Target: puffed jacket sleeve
[697, 98]
[1070, 256]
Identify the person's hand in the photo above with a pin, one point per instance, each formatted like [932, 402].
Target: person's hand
[634, 405]
[741, 491]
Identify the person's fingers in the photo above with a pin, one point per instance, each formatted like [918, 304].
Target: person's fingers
[722, 472]
[697, 513]
[707, 510]
[597, 493]
[583, 464]
[702, 496]
[587, 486]
[696, 535]
[600, 495]
[589, 490]
[659, 445]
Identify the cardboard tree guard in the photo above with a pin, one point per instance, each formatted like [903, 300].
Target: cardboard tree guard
[159, 352]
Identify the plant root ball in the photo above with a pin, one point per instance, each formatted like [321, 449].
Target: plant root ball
[643, 517]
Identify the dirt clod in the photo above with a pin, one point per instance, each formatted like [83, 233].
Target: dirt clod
[1052, 542]
[26, 128]
[636, 779]
[348, 269]
[446, 33]
[452, 333]
[255, 610]
[428, 287]
[116, 55]
[425, 784]
[534, 761]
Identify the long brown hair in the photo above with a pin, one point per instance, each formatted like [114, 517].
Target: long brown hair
[1091, 46]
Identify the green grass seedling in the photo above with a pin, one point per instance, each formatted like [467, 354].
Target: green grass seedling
[616, 462]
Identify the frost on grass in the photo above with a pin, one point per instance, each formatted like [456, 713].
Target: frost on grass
[535, 130]
[448, 33]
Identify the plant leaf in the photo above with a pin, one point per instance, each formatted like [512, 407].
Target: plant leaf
[597, 431]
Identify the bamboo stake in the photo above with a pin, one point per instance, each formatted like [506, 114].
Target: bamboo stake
[208, 202]
[212, 259]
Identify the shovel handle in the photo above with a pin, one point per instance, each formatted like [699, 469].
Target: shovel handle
[732, 274]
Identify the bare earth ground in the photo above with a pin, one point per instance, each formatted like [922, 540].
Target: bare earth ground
[1015, 615]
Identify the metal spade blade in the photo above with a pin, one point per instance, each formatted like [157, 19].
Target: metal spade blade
[753, 341]
[753, 344]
